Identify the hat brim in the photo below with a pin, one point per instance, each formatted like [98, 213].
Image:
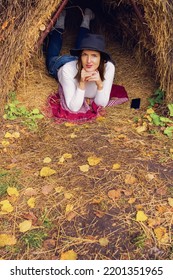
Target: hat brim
[77, 52]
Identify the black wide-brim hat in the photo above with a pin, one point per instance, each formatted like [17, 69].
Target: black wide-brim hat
[93, 42]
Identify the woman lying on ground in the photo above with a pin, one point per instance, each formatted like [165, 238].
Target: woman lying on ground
[87, 72]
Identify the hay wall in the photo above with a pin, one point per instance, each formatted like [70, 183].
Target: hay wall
[153, 37]
[20, 30]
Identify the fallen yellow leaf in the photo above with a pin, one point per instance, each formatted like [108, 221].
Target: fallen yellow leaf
[161, 234]
[114, 194]
[47, 160]
[93, 160]
[121, 136]
[69, 255]
[66, 155]
[31, 202]
[127, 192]
[138, 206]
[59, 189]
[150, 111]
[12, 135]
[67, 124]
[84, 168]
[5, 143]
[141, 217]
[16, 134]
[171, 150]
[116, 166]
[149, 118]
[68, 195]
[25, 225]
[131, 200]
[73, 135]
[7, 240]
[8, 135]
[149, 176]
[103, 241]
[154, 222]
[70, 216]
[162, 209]
[6, 207]
[12, 191]
[141, 129]
[4, 25]
[129, 179]
[69, 208]
[170, 201]
[61, 160]
[100, 119]
[47, 171]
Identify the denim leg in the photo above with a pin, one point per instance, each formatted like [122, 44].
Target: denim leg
[54, 45]
[82, 32]
[53, 59]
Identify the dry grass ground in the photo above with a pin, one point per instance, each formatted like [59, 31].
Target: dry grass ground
[72, 209]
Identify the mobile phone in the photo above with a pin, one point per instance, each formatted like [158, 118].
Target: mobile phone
[135, 103]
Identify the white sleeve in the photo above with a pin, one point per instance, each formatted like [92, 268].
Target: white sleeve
[102, 96]
[74, 96]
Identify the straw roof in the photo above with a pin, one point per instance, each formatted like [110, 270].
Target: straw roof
[144, 25]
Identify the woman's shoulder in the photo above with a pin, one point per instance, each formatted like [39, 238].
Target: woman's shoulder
[110, 66]
[70, 65]
[68, 69]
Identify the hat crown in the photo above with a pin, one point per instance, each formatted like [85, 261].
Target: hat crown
[93, 42]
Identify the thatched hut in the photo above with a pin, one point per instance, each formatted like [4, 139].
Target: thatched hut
[144, 26]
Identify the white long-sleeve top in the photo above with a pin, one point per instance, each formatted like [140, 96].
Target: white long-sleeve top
[75, 96]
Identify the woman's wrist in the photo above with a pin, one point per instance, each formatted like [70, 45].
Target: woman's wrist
[100, 86]
[81, 85]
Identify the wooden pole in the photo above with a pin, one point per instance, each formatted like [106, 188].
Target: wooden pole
[51, 23]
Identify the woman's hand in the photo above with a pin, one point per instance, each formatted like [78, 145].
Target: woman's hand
[90, 77]
[85, 75]
[95, 77]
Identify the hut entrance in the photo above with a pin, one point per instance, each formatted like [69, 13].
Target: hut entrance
[36, 84]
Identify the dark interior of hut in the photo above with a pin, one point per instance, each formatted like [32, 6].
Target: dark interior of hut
[117, 22]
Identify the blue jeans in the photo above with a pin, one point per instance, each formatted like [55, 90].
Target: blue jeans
[53, 59]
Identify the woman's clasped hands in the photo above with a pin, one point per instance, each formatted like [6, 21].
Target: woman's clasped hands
[91, 76]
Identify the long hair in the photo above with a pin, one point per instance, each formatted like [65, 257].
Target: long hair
[101, 67]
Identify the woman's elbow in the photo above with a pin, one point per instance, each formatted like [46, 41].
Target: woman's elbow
[102, 103]
[73, 108]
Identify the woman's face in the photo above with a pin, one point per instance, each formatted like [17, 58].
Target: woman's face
[90, 60]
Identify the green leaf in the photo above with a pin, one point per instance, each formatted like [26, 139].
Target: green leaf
[12, 105]
[35, 111]
[151, 101]
[169, 131]
[12, 118]
[157, 97]
[3, 172]
[23, 110]
[40, 116]
[156, 119]
[15, 102]
[170, 107]
[166, 120]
